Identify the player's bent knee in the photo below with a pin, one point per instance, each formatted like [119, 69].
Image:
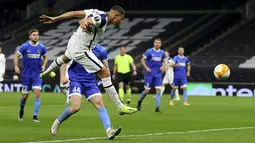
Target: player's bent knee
[104, 72]
[65, 59]
[37, 93]
[25, 95]
[97, 101]
[75, 103]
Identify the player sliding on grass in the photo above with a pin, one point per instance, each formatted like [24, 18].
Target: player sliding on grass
[83, 40]
[82, 82]
[32, 53]
[181, 66]
[153, 62]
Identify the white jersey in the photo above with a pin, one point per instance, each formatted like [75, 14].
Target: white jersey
[169, 73]
[87, 40]
[170, 70]
[2, 65]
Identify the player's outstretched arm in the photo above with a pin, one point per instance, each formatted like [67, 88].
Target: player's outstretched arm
[16, 61]
[72, 14]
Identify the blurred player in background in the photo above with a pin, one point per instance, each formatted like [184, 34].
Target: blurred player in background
[2, 66]
[122, 64]
[181, 66]
[83, 40]
[84, 83]
[169, 76]
[34, 61]
[153, 62]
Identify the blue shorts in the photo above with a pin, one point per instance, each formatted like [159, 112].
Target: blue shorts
[80, 88]
[152, 79]
[182, 82]
[29, 83]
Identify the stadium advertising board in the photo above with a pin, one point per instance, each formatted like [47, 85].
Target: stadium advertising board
[221, 89]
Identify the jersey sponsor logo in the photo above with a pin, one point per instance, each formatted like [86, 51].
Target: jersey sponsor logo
[156, 59]
[182, 64]
[34, 56]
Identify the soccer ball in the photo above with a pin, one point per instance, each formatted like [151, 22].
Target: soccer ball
[221, 72]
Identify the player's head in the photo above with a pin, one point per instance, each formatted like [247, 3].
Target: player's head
[166, 53]
[181, 51]
[123, 50]
[34, 35]
[116, 15]
[157, 43]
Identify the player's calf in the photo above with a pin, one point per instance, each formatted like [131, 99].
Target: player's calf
[23, 100]
[69, 111]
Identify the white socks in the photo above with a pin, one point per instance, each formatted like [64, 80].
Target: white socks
[54, 65]
[111, 91]
[162, 90]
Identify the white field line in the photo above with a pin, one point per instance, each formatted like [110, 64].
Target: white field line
[146, 135]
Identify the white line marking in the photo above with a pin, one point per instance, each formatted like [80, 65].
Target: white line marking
[146, 135]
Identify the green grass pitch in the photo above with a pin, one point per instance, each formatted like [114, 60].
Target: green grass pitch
[177, 124]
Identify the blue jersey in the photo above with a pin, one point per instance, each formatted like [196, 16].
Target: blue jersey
[181, 70]
[154, 60]
[78, 73]
[31, 58]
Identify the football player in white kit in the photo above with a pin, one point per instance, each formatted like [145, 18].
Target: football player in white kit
[2, 65]
[83, 40]
[169, 76]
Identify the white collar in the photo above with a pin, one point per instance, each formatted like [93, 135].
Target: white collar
[32, 44]
[181, 56]
[156, 50]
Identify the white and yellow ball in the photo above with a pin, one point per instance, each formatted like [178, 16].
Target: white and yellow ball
[221, 72]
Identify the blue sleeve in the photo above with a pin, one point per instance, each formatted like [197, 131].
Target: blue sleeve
[22, 49]
[163, 57]
[104, 55]
[175, 60]
[187, 61]
[146, 55]
[44, 51]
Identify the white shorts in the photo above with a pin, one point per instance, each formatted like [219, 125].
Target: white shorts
[84, 57]
[168, 79]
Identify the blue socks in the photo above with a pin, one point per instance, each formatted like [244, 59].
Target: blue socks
[65, 115]
[104, 118]
[158, 99]
[185, 96]
[143, 95]
[172, 94]
[37, 104]
[22, 104]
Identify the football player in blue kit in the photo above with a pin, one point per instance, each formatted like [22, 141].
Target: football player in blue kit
[84, 83]
[182, 67]
[34, 61]
[153, 62]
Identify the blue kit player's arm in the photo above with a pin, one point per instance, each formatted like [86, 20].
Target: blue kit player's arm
[105, 58]
[188, 67]
[164, 66]
[174, 63]
[44, 58]
[19, 53]
[146, 56]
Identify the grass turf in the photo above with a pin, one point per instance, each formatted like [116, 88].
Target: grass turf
[204, 113]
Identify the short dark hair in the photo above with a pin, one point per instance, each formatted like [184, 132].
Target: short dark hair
[123, 47]
[157, 39]
[118, 9]
[32, 31]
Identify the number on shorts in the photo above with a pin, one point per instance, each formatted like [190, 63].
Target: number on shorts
[24, 88]
[77, 89]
